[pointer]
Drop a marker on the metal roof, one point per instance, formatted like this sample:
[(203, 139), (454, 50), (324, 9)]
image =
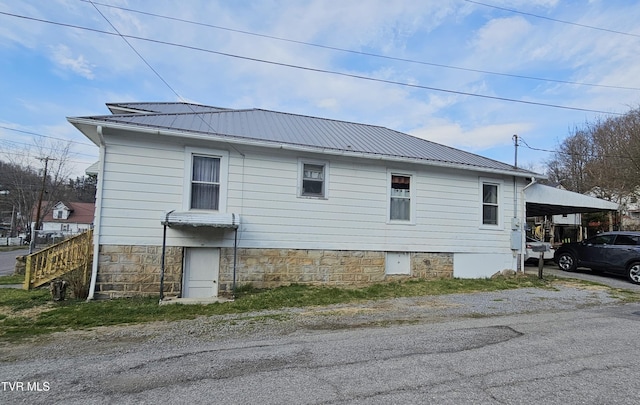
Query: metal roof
[(201, 219), (161, 107), (292, 129), (545, 200)]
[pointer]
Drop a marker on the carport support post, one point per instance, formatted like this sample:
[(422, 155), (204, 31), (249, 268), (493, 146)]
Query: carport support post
[(235, 260), (164, 249), (540, 265), (164, 253)]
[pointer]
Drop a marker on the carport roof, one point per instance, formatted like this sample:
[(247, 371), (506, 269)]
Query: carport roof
[(544, 200)]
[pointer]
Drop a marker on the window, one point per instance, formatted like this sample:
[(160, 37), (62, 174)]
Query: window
[(312, 180), (206, 177), (600, 240), (400, 198), (626, 240), (205, 183), (489, 204)]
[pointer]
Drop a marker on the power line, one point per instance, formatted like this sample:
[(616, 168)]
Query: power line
[(410, 85), (137, 53), (152, 69), (361, 52), (52, 149), (45, 136), (575, 154), (554, 19)]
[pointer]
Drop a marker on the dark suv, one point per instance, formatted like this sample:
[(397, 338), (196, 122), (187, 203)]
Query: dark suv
[(610, 252)]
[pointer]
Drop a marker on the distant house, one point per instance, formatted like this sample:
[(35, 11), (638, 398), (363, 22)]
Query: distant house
[(68, 218), (221, 196)]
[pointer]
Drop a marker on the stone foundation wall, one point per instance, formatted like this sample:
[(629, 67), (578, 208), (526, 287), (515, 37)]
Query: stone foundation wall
[(128, 271), (269, 268), (429, 266)]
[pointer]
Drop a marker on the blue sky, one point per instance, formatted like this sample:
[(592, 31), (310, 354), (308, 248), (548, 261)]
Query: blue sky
[(456, 54)]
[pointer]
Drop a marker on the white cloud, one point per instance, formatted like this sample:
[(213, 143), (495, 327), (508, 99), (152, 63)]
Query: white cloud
[(63, 58), (474, 139)]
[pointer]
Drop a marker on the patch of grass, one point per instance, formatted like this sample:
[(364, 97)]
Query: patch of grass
[(45, 316), (11, 248), (17, 300), (14, 279), (625, 295)]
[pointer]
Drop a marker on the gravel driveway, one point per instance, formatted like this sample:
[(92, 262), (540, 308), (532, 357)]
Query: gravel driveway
[(565, 295)]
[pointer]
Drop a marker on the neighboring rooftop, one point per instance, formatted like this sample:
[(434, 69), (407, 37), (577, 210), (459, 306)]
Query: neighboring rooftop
[(291, 129), (80, 212)]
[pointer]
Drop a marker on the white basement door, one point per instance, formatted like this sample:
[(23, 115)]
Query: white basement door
[(201, 268)]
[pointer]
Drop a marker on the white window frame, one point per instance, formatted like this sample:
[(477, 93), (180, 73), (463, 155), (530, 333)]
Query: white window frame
[(412, 197), (325, 185), (188, 171), (500, 204)]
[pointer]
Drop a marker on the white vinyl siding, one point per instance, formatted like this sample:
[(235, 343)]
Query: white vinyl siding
[(146, 179)]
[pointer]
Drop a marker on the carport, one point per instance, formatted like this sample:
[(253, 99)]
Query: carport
[(544, 200), (541, 201)]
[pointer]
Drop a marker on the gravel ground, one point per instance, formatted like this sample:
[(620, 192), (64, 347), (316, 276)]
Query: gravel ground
[(566, 295)]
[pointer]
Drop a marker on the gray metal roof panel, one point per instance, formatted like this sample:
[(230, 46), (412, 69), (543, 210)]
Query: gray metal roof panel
[(314, 132), (166, 107)]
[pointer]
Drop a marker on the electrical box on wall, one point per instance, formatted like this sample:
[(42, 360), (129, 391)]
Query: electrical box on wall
[(515, 224), (516, 240)]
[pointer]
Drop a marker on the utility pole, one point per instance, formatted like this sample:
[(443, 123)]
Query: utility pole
[(36, 225), (515, 142), (13, 221)]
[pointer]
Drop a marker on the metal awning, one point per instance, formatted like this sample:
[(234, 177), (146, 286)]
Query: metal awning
[(198, 219), (545, 200), (201, 219)]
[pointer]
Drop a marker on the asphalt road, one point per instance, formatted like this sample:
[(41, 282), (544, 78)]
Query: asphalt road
[(581, 355), (8, 261)]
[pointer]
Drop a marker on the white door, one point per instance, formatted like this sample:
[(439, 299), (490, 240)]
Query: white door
[(398, 263), (201, 266)]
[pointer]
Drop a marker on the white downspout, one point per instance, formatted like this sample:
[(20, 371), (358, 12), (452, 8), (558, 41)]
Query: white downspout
[(524, 222), (97, 216)]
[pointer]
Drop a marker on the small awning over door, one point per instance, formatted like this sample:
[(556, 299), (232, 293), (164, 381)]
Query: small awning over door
[(201, 219)]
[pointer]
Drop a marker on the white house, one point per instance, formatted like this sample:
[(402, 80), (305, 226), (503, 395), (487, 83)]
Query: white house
[(69, 218), (271, 198)]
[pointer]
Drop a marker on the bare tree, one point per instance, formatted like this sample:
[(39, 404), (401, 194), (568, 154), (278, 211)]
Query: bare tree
[(24, 178), (569, 165)]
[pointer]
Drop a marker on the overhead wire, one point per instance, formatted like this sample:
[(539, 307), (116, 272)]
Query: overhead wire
[(45, 136), (605, 156), (369, 54), (553, 19), (317, 70), (53, 149)]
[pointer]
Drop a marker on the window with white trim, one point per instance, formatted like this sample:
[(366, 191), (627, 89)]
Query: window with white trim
[(205, 183), (313, 179), (490, 206), (400, 198)]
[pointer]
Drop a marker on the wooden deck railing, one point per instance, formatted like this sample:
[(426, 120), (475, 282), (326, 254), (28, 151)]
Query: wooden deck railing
[(56, 260)]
